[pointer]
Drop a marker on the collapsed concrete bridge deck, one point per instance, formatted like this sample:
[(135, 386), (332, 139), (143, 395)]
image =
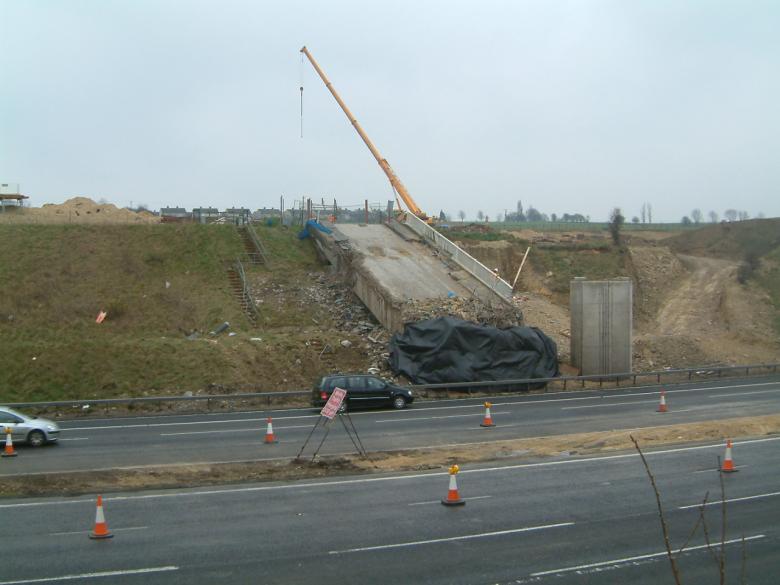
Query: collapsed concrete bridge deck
[(392, 268)]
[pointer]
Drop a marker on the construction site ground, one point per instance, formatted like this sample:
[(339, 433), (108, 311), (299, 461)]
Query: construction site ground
[(165, 288)]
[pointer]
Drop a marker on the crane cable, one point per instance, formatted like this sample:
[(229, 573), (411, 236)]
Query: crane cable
[(300, 70)]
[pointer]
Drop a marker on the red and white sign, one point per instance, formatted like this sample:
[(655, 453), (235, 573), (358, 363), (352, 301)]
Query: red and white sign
[(333, 404)]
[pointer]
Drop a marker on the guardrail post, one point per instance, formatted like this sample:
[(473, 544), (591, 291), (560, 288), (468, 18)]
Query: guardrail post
[(208, 403), (634, 380), (617, 381)]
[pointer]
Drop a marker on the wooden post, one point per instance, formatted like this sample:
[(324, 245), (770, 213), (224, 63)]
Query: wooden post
[(366, 211), (521, 267)]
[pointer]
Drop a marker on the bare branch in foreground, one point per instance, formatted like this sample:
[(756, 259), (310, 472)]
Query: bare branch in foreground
[(672, 560)]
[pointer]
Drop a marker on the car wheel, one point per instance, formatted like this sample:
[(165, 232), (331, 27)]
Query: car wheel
[(36, 438), (399, 402), (342, 408)]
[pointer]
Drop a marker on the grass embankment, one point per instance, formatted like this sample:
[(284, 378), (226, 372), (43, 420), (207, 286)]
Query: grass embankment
[(598, 261), (55, 278)]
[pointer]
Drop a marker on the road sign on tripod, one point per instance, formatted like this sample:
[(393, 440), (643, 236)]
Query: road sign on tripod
[(333, 407)]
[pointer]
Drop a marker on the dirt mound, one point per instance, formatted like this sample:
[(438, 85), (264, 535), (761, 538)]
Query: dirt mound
[(706, 317), (82, 210), (468, 309)]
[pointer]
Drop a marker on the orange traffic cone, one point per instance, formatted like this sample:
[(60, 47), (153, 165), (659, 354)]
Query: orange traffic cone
[(453, 497), (9, 444), (101, 528), (269, 432), (662, 404), (728, 462), (488, 421)]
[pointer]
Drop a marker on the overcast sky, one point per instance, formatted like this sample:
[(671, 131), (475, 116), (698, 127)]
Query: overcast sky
[(575, 106)]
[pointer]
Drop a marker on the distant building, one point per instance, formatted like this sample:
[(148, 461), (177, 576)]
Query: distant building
[(266, 212), (11, 196), (175, 215), (205, 214), (237, 215)]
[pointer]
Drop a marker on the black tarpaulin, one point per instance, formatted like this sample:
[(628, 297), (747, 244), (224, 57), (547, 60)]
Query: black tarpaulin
[(447, 349)]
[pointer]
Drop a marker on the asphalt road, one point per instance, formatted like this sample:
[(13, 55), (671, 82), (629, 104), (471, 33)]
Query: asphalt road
[(586, 520), (90, 444)]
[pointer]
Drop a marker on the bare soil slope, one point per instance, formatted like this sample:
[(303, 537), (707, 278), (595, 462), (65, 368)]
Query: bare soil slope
[(689, 310)]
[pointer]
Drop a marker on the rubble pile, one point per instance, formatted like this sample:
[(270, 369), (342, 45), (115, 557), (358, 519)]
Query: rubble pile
[(467, 309), (350, 315)]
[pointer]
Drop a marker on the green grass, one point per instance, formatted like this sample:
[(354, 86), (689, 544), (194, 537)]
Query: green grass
[(565, 263), (284, 247), (55, 278)]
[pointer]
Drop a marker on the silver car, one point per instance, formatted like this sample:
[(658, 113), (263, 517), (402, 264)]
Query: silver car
[(33, 430)]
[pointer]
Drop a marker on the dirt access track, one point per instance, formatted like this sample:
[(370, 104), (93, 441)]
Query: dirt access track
[(516, 450)]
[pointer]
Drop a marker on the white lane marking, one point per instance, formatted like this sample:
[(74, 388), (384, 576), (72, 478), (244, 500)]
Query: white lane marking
[(450, 539), (437, 474), (715, 469), (744, 393), (93, 575), (252, 430), (113, 529), (439, 501), (389, 420), (728, 501), (610, 404), (636, 558)]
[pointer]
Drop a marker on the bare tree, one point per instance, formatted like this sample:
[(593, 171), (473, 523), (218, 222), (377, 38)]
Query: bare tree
[(731, 214), (644, 213), (713, 216), (480, 215), (462, 215), (743, 215), (696, 215), (616, 221)]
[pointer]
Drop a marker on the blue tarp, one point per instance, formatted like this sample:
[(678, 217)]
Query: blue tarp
[(313, 224)]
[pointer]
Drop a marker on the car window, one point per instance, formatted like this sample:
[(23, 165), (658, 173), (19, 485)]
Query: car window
[(7, 417), (374, 384), (357, 383), (337, 383)]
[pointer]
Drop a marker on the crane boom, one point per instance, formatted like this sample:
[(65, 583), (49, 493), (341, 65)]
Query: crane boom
[(388, 170)]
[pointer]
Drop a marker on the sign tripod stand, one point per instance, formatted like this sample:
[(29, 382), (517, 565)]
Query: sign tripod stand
[(334, 407)]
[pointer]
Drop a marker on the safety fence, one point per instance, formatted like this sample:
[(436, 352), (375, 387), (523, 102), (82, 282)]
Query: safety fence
[(542, 385), (473, 266)]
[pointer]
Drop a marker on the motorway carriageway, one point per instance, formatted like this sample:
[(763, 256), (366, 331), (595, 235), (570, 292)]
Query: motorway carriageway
[(581, 520), (90, 444)]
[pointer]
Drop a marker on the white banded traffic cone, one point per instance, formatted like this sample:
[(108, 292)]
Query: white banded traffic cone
[(453, 497), (101, 528), (8, 451), (728, 462), (488, 420), (662, 404), (269, 432)]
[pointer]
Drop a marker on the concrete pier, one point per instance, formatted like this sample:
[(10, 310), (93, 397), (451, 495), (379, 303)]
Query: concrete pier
[(601, 325)]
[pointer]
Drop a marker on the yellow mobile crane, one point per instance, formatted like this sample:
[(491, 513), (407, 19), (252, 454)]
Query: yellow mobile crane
[(396, 183)]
